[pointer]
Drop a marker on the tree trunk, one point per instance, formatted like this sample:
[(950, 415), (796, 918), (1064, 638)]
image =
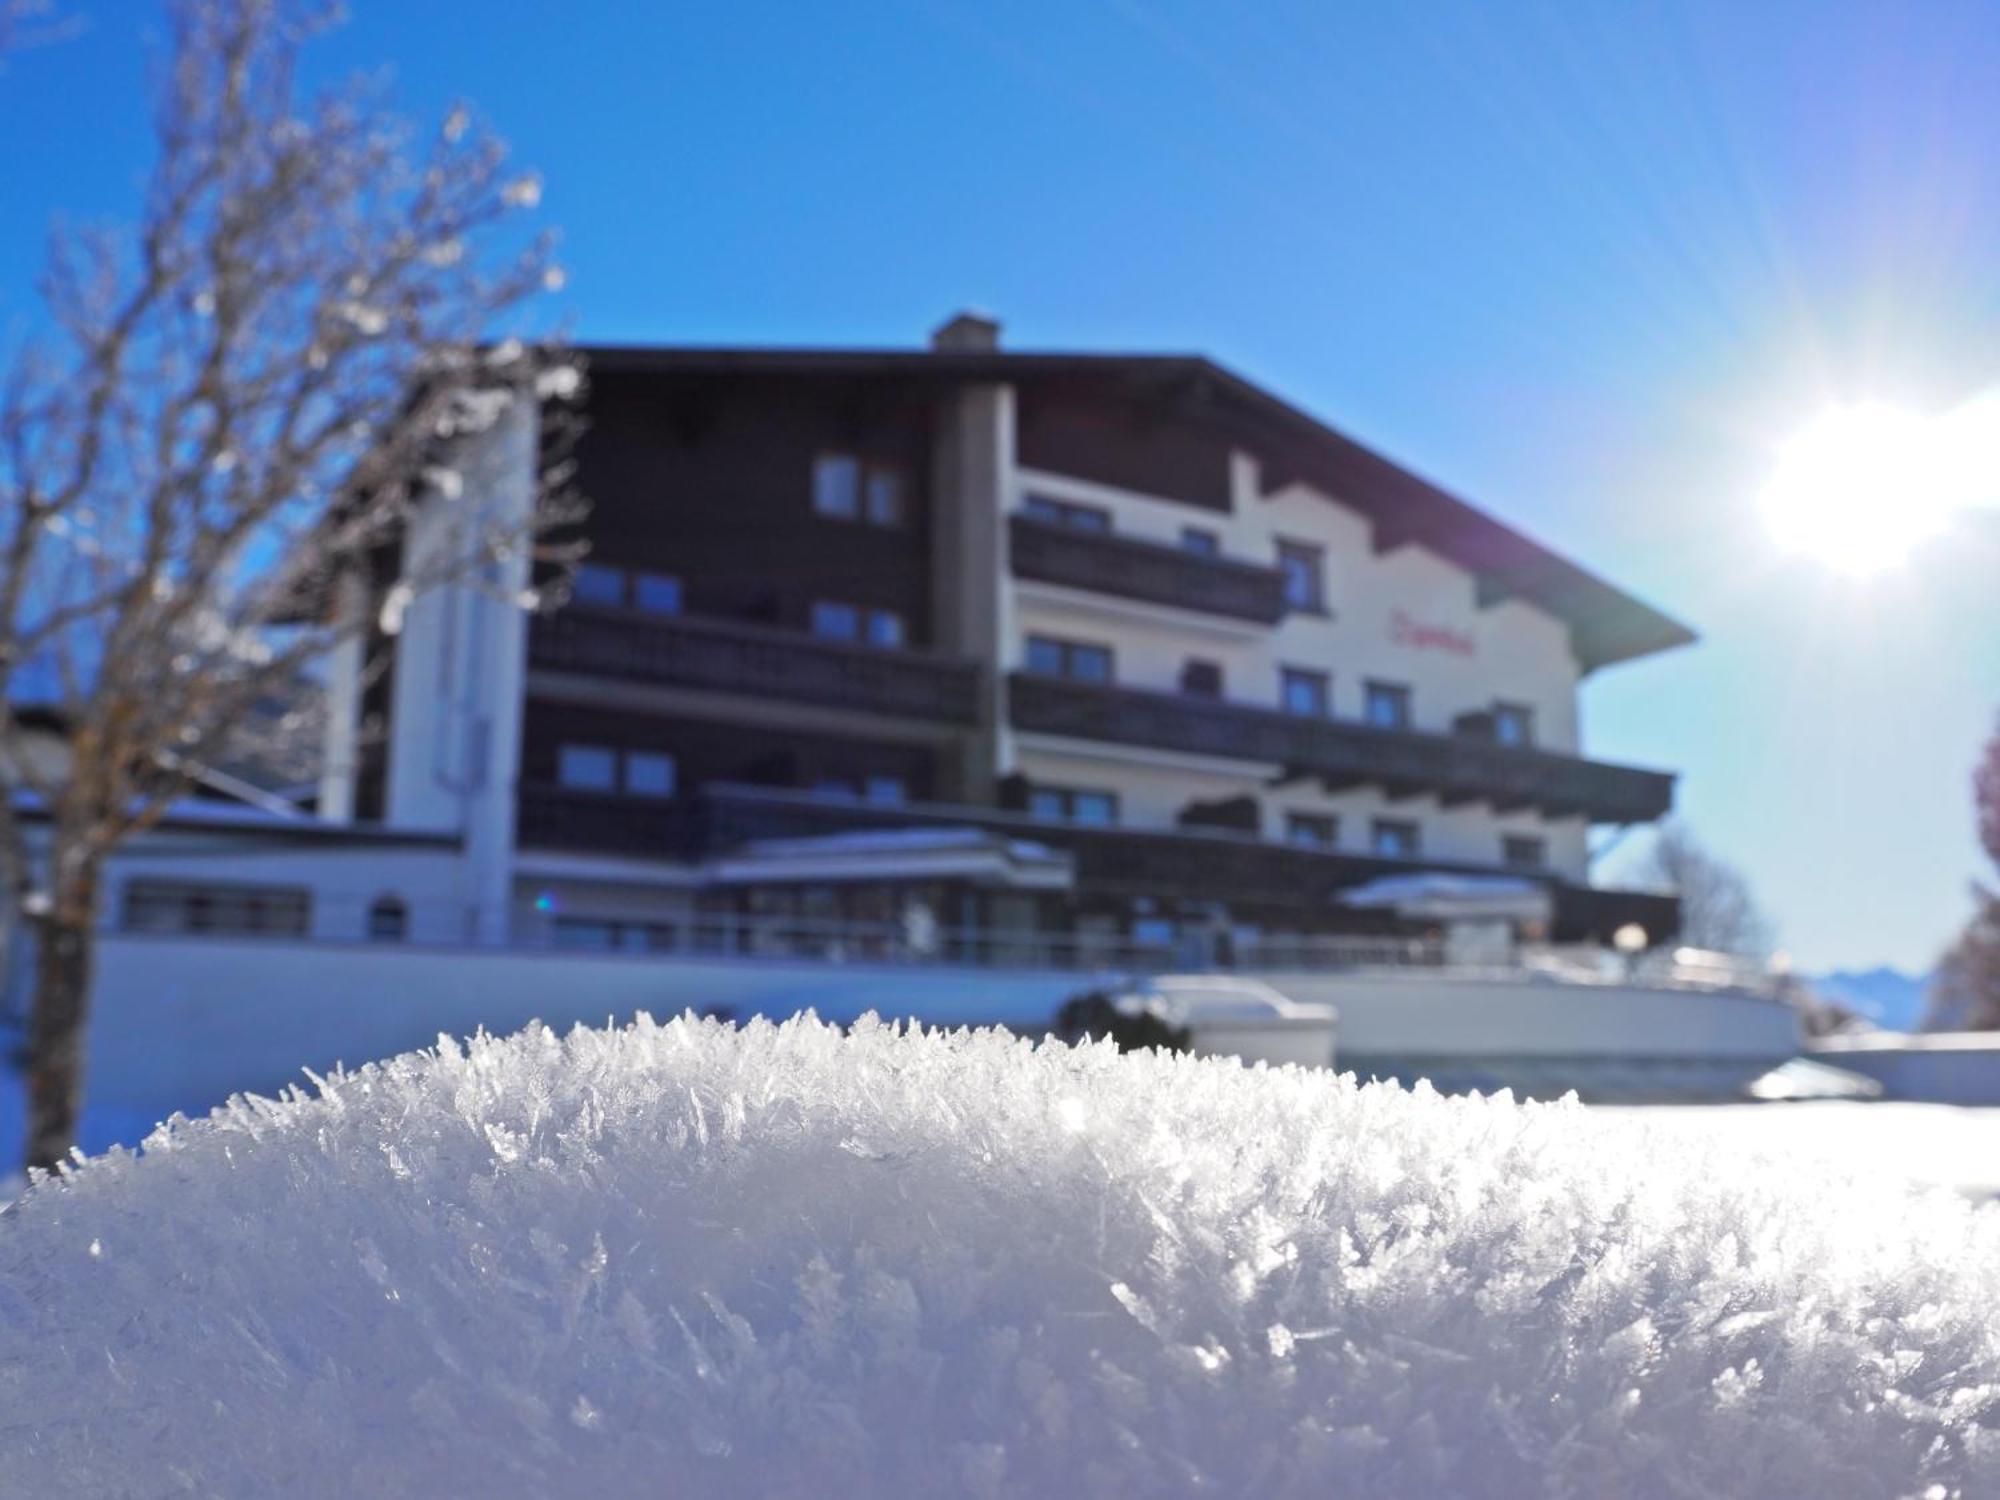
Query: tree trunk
[(64, 948)]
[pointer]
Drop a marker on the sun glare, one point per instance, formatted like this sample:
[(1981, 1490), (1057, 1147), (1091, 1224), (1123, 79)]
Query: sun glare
[(1863, 485)]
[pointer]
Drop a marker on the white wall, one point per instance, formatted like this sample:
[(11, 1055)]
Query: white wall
[(1519, 654), (181, 1023), (346, 878)]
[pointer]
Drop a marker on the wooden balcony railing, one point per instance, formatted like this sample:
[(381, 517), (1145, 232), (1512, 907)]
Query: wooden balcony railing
[(1105, 563), (756, 661), (1456, 768)]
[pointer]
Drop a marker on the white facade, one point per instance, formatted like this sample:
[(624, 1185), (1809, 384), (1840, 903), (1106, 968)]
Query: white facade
[(1404, 617)]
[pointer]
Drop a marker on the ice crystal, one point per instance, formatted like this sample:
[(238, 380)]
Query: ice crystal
[(787, 1261)]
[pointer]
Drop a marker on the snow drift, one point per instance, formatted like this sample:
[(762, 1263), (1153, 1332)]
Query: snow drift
[(694, 1260)]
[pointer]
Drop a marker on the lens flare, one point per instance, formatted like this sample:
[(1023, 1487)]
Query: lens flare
[(1861, 486)]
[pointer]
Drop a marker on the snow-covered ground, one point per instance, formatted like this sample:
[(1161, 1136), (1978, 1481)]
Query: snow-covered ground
[(693, 1260), (1931, 1145)]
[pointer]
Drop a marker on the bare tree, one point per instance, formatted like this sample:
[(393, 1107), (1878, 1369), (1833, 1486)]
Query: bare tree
[(248, 400), (1718, 908), (1965, 990)]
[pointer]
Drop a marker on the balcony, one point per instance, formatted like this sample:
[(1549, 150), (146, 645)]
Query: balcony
[(1151, 572), (1403, 762), (1176, 865), (756, 661)]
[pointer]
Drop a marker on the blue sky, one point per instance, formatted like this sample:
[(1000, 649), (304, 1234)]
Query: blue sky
[(1584, 263)]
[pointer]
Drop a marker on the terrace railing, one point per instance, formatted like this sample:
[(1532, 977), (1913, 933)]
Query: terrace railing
[(755, 660)]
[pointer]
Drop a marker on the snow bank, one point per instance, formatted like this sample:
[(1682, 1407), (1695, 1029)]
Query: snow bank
[(693, 1260)]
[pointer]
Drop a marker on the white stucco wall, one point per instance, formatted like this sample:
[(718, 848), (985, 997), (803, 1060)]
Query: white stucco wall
[(1517, 654), (345, 878)]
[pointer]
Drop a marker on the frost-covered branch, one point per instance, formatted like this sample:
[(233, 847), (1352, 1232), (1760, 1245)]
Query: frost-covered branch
[(245, 398)]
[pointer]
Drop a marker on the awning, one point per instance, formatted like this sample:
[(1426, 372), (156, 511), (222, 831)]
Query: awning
[(1454, 898), (970, 854)]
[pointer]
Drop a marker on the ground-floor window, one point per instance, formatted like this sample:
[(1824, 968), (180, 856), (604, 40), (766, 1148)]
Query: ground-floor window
[(388, 919), (187, 906), (595, 935)]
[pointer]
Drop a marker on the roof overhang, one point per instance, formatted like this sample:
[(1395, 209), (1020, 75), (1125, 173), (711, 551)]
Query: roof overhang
[(1606, 624)]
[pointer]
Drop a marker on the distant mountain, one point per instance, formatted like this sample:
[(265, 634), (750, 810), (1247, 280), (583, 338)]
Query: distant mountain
[(1888, 997)]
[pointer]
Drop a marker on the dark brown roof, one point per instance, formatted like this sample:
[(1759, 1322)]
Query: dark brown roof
[(1606, 624)]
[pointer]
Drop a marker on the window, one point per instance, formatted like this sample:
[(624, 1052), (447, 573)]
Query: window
[(1304, 692), (256, 910), (885, 628), (657, 593), (1395, 839), (1312, 830), (596, 584), (1304, 568), (593, 935), (1100, 808), (885, 496), (587, 768), (388, 919), (837, 486), (1201, 679), (887, 790), (1066, 805), (845, 488), (835, 622), (583, 933), (649, 773), (1067, 513), (1524, 853), (1513, 724), (1200, 541), (1388, 705), (1079, 661)]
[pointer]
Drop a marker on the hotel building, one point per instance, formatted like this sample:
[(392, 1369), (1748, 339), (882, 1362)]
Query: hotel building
[(971, 645)]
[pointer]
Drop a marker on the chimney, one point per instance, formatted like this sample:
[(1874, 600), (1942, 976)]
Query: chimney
[(967, 333)]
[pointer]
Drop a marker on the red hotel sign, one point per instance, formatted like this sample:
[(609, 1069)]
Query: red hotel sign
[(1405, 631)]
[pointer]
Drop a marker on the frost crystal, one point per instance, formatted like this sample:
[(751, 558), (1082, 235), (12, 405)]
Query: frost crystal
[(788, 1261)]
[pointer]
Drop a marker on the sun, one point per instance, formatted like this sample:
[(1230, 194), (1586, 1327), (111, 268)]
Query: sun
[(1860, 487)]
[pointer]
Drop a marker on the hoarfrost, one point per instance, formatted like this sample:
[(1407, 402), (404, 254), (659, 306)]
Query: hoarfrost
[(650, 1260)]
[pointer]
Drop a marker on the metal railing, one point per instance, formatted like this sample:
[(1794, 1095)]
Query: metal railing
[(918, 941)]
